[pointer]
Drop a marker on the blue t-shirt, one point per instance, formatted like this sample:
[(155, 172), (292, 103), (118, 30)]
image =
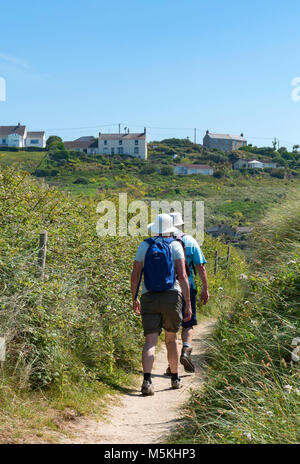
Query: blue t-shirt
[(194, 255)]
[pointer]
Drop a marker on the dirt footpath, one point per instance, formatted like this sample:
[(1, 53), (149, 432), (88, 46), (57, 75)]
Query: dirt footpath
[(136, 419)]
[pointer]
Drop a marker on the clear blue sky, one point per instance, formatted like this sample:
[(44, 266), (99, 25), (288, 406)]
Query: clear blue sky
[(227, 66)]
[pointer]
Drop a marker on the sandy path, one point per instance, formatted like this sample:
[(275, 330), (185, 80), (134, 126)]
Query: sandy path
[(136, 419)]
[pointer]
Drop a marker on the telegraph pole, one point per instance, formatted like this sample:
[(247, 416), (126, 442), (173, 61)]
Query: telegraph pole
[(195, 135), (119, 128)]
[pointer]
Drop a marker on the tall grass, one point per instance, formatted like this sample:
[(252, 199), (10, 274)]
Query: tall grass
[(253, 393), (73, 336)]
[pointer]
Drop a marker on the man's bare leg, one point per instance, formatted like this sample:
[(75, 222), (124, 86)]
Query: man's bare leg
[(149, 352), (173, 351), (148, 359), (185, 358), (173, 358)]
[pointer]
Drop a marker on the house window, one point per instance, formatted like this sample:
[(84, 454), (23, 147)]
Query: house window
[(3, 140), (112, 151), (120, 150), (136, 142), (105, 142), (136, 150), (120, 142), (34, 142), (105, 150)]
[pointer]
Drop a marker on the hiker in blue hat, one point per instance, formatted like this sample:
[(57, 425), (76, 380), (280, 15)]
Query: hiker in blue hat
[(165, 287)]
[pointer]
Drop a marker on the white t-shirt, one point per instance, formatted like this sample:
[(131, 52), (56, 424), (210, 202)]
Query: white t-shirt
[(177, 253)]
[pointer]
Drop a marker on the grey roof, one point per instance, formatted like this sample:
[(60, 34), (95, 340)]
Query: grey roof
[(227, 136), (87, 138), (36, 134), (122, 136), (5, 131), (83, 144)]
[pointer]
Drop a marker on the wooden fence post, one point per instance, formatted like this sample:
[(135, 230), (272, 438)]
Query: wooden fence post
[(2, 352), (216, 262), (228, 257), (42, 252)]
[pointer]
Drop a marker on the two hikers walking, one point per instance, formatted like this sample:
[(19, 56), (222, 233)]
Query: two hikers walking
[(168, 300)]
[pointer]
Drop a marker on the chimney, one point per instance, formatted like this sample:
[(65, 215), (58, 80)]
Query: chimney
[(144, 130), (127, 130), (242, 135), (19, 123), (207, 131)]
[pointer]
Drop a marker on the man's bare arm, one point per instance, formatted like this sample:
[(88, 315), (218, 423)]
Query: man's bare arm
[(135, 277), (184, 285), (203, 276)]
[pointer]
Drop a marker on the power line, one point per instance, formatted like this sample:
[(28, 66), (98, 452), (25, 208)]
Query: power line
[(154, 128)]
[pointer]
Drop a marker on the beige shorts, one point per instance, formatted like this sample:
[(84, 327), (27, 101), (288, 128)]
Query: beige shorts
[(161, 310)]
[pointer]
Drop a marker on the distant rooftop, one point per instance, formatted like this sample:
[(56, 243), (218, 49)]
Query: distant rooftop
[(87, 138), (81, 144), (36, 134), (239, 138), (125, 136), (5, 131)]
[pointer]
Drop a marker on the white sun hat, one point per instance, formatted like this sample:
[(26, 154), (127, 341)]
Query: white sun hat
[(163, 225), (177, 219)]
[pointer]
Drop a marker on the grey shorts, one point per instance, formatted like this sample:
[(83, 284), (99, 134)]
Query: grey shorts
[(161, 310)]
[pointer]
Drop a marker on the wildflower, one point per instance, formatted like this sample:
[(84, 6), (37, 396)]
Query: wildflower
[(288, 388), (248, 435), (254, 322), (296, 354), (296, 341), (246, 302), (221, 288), (269, 413), (243, 277), (292, 262)]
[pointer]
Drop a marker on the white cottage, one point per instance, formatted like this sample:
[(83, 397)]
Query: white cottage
[(188, 169), (18, 136), (123, 144)]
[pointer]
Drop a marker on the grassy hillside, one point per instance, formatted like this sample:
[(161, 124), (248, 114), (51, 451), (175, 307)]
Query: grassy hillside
[(253, 393), (236, 198), (72, 337)]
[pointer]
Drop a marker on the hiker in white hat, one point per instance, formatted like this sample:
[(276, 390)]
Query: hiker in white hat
[(161, 260), (196, 263)]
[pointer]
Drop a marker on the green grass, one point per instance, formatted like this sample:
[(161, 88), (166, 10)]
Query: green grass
[(72, 337), (253, 394)]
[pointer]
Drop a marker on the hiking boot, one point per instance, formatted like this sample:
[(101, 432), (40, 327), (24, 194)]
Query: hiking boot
[(176, 384), (168, 371), (147, 388), (186, 361)]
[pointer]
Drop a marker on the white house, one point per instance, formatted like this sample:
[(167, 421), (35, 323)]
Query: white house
[(253, 164), (36, 139), (123, 144), (188, 169), (17, 136)]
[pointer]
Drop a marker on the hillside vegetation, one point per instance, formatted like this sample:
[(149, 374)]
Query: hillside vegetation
[(253, 393), (73, 336), (235, 198)]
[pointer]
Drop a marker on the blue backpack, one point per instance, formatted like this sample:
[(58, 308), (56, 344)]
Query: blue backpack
[(159, 272)]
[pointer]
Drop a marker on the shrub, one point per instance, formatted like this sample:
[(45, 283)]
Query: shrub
[(81, 180), (167, 171), (278, 173)]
